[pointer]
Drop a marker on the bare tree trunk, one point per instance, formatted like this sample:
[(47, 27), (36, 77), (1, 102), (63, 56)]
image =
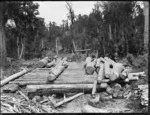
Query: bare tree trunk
[(146, 32), (2, 36), (103, 45), (18, 47), (42, 44), (56, 46), (110, 33), (22, 49)]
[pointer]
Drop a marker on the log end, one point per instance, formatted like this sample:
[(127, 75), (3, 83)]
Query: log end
[(51, 78), (113, 77)]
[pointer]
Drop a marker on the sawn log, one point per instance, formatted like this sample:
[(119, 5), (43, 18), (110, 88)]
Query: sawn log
[(62, 88), (12, 77), (55, 72)]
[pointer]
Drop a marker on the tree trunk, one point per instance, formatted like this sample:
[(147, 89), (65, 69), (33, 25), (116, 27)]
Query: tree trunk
[(103, 46), (22, 48), (127, 49), (18, 47), (110, 33), (62, 88), (3, 82), (2, 36), (146, 26)]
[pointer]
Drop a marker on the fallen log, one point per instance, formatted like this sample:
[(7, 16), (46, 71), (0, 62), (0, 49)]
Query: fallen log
[(36, 82), (42, 69), (107, 69), (62, 88), (136, 74), (101, 72), (117, 70), (42, 63), (68, 99), (52, 63), (110, 61), (102, 60), (10, 88), (59, 79), (56, 71), (12, 77), (90, 109)]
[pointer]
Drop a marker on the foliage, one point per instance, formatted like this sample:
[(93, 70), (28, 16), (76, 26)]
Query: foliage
[(109, 26)]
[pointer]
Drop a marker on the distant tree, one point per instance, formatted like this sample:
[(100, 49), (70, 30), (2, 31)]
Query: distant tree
[(146, 32), (2, 34)]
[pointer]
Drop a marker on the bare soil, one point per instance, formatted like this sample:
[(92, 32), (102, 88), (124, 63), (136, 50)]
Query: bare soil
[(75, 106)]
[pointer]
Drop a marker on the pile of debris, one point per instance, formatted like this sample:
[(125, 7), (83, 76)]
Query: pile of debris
[(115, 75), (143, 94), (21, 104), (118, 78)]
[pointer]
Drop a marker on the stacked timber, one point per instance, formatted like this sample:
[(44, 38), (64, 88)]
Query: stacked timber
[(117, 71), (117, 78)]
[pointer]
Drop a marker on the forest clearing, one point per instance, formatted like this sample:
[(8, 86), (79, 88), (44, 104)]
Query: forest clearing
[(96, 63)]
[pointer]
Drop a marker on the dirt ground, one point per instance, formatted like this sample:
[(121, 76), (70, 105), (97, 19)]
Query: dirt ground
[(75, 106)]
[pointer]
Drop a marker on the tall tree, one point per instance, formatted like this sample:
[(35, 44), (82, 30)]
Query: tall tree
[(146, 27), (2, 34)]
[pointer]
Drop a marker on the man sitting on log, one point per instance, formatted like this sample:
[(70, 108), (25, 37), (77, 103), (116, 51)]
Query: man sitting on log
[(90, 64)]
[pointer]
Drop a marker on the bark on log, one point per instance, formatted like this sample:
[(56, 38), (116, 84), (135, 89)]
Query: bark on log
[(101, 72), (59, 79), (107, 69), (68, 99), (117, 69), (10, 88), (90, 109), (12, 77), (109, 60), (61, 88), (137, 74), (49, 65), (94, 88), (56, 71), (33, 82), (42, 63)]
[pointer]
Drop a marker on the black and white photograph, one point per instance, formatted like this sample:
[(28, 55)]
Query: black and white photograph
[(74, 56)]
